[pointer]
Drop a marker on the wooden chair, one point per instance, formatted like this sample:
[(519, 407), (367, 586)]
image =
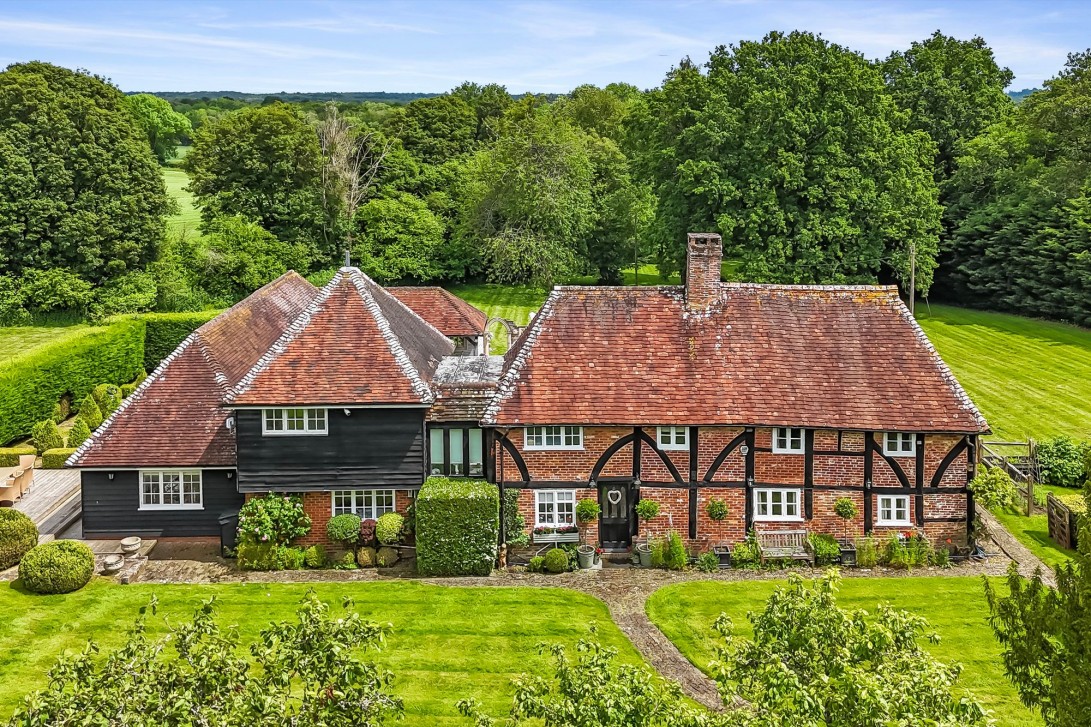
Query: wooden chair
[(785, 545)]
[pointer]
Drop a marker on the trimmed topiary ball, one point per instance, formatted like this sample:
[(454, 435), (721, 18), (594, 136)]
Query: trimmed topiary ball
[(366, 557), (18, 534), (386, 557), (367, 532), (388, 528), (344, 528), (556, 561), (315, 556), (61, 566)]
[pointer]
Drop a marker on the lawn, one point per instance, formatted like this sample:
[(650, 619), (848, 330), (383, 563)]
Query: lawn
[(955, 608), (447, 642), (19, 340), (1033, 531), (188, 216)]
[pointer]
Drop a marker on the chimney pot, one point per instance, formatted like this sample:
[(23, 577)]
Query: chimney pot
[(704, 253)]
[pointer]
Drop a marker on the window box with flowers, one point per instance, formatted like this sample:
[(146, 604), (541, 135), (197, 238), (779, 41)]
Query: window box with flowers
[(561, 534), (555, 517)]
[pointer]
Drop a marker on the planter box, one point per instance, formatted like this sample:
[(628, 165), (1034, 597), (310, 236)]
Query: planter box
[(848, 554), (723, 552), (556, 538)]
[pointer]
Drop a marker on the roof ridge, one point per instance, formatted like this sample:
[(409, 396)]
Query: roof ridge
[(395, 299), (248, 302), (506, 386), (130, 400), (213, 363)]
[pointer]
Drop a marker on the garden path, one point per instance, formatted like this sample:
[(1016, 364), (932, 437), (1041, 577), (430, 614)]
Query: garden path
[(1028, 562)]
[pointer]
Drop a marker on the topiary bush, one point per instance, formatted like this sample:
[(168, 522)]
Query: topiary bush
[(556, 561), (716, 509), (9, 456), (61, 566), (367, 532), (62, 409), (458, 527), (315, 556), (647, 509), (127, 390), (46, 435), (386, 556), (388, 528), (79, 433), (90, 412), (18, 534), (277, 519), (108, 398), (344, 529), (54, 459), (366, 557)]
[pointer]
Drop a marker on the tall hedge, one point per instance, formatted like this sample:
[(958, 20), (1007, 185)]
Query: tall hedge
[(164, 331), (31, 384), (458, 527)]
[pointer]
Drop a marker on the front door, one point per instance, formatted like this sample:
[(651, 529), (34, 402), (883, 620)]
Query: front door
[(615, 524)]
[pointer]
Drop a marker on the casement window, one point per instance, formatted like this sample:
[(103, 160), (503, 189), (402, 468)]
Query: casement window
[(777, 504), (291, 422), (893, 510), (553, 438), (673, 437), (456, 452), (170, 490), (554, 508), (899, 444), (368, 504), (787, 440)]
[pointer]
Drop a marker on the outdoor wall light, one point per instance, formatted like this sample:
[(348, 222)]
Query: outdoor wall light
[(348, 413), (110, 475), (744, 450)]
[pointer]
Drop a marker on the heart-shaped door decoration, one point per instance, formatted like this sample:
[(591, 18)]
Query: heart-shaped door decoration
[(614, 496)]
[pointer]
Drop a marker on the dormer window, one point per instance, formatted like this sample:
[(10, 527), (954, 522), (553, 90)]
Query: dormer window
[(899, 444), (293, 422), (788, 440)]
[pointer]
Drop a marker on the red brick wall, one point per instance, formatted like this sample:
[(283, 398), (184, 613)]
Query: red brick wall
[(319, 505), (589, 531)]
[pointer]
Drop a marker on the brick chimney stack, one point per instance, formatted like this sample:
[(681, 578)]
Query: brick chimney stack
[(704, 252)]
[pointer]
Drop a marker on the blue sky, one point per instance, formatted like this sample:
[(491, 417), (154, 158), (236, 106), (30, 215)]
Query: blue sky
[(242, 45)]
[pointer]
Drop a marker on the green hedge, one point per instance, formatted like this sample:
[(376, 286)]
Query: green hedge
[(9, 456), (458, 527), (164, 331), (31, 384), (54, 459), (61, 566)]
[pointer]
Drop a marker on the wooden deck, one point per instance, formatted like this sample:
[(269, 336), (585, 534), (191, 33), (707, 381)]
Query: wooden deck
[(53, 501)]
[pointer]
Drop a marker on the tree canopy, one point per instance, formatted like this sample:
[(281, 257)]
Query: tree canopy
[(164, 127)]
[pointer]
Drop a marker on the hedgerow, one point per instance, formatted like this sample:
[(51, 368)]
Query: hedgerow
[(458, 527), (31, 384), (9, 456), (164, 331), (54, 459)]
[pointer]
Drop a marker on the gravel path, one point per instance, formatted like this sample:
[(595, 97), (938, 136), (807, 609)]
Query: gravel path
[(1029, 563)]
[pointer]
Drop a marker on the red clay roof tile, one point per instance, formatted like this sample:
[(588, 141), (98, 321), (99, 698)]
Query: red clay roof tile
[(445, 311)]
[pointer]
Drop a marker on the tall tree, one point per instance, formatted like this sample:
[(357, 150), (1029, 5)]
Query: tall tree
[(489, 102), (436, 129), (164, 127), (79, 187), (263, 163), (792, 149)]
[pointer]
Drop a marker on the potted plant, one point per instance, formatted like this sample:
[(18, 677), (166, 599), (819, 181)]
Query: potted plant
[(646, 510), (587, 511), (845, 509)]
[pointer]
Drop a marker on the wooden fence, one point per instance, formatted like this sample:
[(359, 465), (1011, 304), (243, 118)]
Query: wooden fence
[(1062, 523), (1020, 461)]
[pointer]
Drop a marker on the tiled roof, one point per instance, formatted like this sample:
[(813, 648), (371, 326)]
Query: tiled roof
[(174, 418), (444, 310), (355, 344), (464, 386), (845, 357)]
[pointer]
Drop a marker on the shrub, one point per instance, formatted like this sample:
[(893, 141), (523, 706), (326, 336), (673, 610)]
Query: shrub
[(825, 547), (276, 519), (1077, 504), (895, 554), (647, 509), (79, 433), (55, 289), (708, 562), (409, 527), (54, 459), (458, 527), (386, 557), (941, 558), (348, 561), (46, 435), (164, 331), (515, 525), (367, 557), (108, 398), (344, 529), (18, 534), (293, 558), (994, 489), (9, 456), (388, 528), (745, 554), (269, 557), (919, 551), (62, 409), (31, 384), (536, 564), (587, 511), (61, 566), (556, 561), (127, 390), (315, 556), (716, 509), (367, 532), (675, 556), (867, 552), (1061, 461), (90, 412)]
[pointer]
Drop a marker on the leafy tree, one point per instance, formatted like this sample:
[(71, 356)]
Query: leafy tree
[(81, 190), (399, 239), (792, 149), (591, 108), (263, 164), (236, 257), (994, 489), (164, 127), (306, 673), (810, 664), (622, 210), (436, 129), (55, 289), (489, 103)]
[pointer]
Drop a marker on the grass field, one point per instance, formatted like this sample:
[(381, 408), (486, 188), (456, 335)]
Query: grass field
[(20, 339), (447, 642), (188, 217), (955, 608), (1033, 531)]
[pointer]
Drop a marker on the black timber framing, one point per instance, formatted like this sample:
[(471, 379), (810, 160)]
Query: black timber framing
[(918, 476), (751, 435), (694, 452), (808, 474), (868, 468)]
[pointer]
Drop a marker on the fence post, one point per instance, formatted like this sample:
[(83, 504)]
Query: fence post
[(1032, 475)]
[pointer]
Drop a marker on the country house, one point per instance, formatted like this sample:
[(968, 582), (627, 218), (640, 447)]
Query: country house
[(774, 400)]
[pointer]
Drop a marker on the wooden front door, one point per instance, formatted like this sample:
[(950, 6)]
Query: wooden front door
[(616, 522)]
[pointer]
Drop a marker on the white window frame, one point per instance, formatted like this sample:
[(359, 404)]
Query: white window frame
[(672, 433), (894, 444), (788, 436), (783, 492), (892, 504), (159, 476), (282, 417), (568, 437), (569, 501), (363, 503)]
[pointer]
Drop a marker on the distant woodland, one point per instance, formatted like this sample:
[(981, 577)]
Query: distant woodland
[(816, 164)]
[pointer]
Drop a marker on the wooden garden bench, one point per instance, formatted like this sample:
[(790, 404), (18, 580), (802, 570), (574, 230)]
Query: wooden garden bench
[(785, 545)]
